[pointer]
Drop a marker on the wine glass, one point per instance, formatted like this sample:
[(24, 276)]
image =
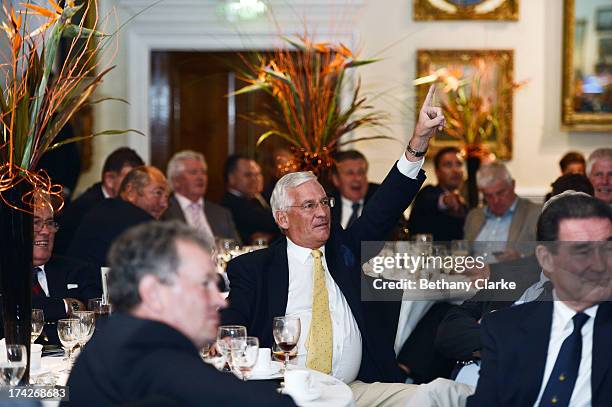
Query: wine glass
[(68, 333), (13, 365), (38, 323), (244, 355), (87, 326), (286, 331), (100, 309), (224, 336)]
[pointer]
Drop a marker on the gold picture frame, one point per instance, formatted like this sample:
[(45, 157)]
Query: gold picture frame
[(497, 89), (502, 10), (587, 95)]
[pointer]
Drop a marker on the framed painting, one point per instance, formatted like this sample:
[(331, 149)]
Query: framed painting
[(475, 89), (507, 10), (587, 67)]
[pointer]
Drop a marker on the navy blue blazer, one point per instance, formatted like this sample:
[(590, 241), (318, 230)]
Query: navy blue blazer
[(515, 344), (259, 281)]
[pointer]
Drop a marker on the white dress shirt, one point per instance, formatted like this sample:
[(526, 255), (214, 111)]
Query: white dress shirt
[(562, 327), (185, 204), (346, 336), (42, 279), (347, 210)]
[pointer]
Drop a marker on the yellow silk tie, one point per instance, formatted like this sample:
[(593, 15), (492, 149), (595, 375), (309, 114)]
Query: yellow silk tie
[(320, 338)]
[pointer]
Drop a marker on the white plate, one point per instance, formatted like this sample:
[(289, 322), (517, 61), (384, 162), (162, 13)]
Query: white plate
[(272, 373), (312, 394), (40, 371)]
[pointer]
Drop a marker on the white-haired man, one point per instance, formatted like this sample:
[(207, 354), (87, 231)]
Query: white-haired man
[(314, 273), (599, 171), (188, 177), (506, 218)]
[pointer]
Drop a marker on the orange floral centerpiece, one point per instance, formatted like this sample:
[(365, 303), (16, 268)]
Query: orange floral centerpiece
[(34, 106), (308, 111)]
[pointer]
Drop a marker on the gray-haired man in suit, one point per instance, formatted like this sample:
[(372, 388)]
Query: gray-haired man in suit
[(188, 177)]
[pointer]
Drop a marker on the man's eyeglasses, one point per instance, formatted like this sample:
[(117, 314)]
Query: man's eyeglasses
[(310, 206), (51, 225)]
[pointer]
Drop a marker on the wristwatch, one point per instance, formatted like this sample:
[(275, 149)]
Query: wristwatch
[(414, 152)]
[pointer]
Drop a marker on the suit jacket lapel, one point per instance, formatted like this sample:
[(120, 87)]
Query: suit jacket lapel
[(517, 221), (278, 278), (479, 220), (601, 357), (533, 348), (174, 209), (56, 280)]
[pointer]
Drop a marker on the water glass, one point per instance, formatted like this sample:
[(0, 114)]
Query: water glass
[(244, 355), (68, 331), (87, 326), (13, 365), (225, 334), (38, 323)]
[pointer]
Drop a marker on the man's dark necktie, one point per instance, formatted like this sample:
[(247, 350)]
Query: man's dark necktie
[(560, 386), (36, 287), (354, 215)]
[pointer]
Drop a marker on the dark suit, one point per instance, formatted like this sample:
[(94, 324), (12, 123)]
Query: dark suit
[(426, 217), (61, 272), (250, 216), (134, 359), (71, 216), (101, 226), (336, 211), (259, 281), (515, 345), (458, 335), (219, 218)]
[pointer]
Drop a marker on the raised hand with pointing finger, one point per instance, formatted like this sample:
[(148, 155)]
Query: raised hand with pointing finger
[(430, 119)]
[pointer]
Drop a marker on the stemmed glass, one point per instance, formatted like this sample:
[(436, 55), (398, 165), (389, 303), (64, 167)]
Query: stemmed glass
[(38, 323), (100, 309), (286, 331), (244, 355), (225, 334), (87, 326), (68, 333), (13, 365)]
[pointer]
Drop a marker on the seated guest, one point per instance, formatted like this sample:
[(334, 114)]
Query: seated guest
[(279, 165), (575, 182), (251, 213), (572, 163), (143, 196), (556, 353), (116, 166), (599, 171), (60, 285), (188, 178), (506, 218), (441, 210), (314, 272), (165, 309)]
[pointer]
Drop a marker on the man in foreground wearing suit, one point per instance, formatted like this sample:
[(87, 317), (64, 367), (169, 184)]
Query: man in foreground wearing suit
[(143, 196), (165, 300), (116, 166), (557, 353), (506, 219), (188, 177), (440, 210), (60, 284), (315, 273)]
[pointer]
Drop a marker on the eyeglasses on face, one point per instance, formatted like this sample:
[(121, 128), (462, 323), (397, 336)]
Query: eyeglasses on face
[(310, 206), (51, 225)]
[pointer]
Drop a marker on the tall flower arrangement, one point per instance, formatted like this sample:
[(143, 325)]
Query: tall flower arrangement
[(34, 106), (305, 81)]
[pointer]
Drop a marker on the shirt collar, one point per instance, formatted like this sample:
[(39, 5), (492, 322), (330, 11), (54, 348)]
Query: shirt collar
[(302, 254), (347, 203), (235, 192), (510, 210), (565, 314), (185, 202), (104, 193)]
